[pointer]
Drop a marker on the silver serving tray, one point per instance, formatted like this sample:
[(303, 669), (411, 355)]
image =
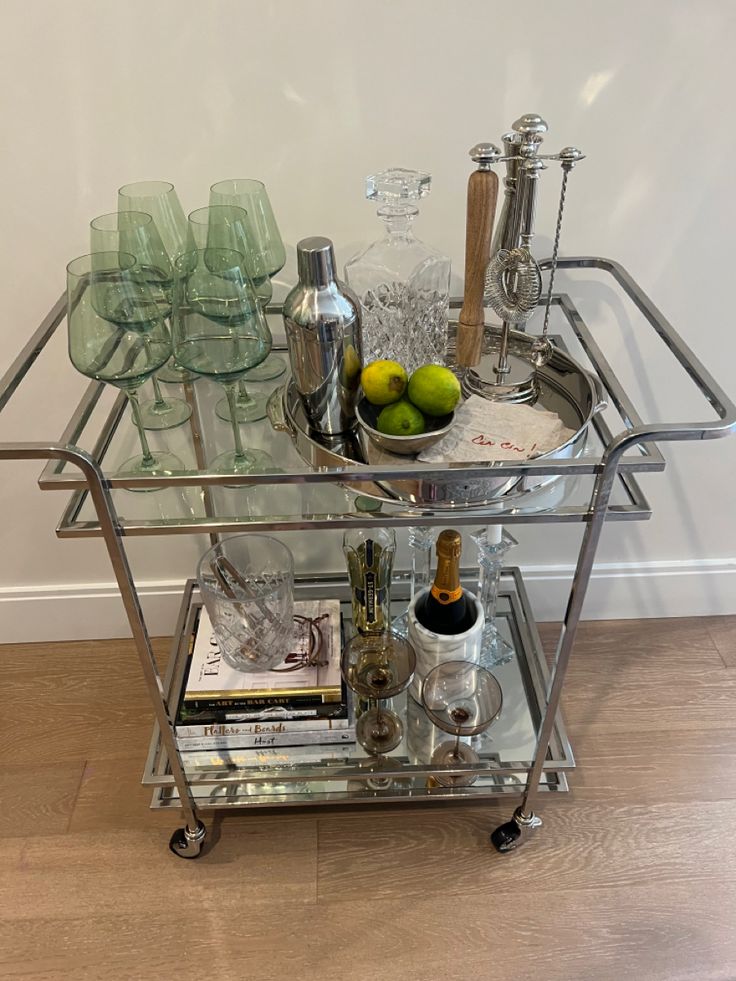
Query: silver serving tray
[(565, 388)]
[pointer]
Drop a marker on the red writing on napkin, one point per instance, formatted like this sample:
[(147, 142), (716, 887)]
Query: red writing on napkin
[(505, 444)]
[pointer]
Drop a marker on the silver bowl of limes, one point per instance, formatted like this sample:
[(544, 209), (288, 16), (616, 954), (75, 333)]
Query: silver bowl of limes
[(400, 414)]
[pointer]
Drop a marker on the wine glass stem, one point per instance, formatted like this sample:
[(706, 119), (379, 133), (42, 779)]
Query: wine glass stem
[(379, 719), (456, 751), (136, 410), (232, 398), (158, 395), (243, 396)]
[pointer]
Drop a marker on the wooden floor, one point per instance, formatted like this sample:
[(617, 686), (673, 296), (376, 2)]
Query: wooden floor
[(632, 876)]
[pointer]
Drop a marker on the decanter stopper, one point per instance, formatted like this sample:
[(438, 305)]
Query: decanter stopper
[(396, 185)]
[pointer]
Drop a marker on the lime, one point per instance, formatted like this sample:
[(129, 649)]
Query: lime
[(400, 419), (434, 389), (383, 382)]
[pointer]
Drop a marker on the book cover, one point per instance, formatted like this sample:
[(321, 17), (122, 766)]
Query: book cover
[(259, 727), (266, 740), (281, 759), (212, 682)]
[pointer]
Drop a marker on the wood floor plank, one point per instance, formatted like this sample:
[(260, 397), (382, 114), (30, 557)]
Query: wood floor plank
[(38, 800), (671, 640), (449, 855), (88, 699), (722, 631), (634, 873), (654, 766), (685, 934), (93, 874)]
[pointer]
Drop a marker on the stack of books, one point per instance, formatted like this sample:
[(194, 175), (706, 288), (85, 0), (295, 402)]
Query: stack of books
[(303, 702)]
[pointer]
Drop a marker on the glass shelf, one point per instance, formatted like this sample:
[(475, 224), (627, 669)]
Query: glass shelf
[(293, 500), (315, 774)]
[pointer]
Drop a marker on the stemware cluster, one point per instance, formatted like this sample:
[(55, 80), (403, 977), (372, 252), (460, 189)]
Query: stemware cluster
[(378, 663), (174, 298)]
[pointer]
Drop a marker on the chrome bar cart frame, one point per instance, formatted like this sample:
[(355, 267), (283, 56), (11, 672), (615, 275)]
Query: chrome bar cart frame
[(165, 769)]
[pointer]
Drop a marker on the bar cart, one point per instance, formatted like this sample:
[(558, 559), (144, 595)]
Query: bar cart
[(530, 753)]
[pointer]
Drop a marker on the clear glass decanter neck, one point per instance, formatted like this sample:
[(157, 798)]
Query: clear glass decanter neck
[(398, 219)]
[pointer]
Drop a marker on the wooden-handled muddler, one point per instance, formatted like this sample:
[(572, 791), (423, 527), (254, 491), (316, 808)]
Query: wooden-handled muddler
[(482, 195)]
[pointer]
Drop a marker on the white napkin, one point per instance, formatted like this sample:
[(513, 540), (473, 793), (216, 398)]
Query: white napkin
[(485, 430)]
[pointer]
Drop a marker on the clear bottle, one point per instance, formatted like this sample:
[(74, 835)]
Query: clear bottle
[(403, 285)]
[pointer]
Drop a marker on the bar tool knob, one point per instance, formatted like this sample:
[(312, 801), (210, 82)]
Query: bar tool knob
[(485, 155), (530, 124), (569, 156)]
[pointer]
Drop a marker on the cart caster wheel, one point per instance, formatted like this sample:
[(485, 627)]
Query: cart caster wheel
[(186, 843), (515, 832), (506, 837)]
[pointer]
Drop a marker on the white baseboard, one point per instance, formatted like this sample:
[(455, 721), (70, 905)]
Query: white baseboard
[(83, 611)]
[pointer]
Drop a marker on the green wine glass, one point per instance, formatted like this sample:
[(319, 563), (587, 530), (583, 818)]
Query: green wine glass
[(219, 332), (134, 232), (253, 197), (225, 226), (117, 335), (160, 200)]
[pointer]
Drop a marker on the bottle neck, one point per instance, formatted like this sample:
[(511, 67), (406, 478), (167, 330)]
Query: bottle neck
[(446, 587), (398, 219)]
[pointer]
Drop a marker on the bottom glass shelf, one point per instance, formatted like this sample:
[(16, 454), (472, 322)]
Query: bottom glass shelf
[(343, 772)]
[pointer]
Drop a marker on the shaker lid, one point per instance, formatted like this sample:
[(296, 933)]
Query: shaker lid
[(315, 261)]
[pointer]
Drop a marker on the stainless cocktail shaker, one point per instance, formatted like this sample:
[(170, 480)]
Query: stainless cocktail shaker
[(322, 320)]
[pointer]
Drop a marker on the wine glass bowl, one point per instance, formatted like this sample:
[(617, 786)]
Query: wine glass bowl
[(463, 699), (135, 232), (117, 335), (219, 331), (269, 253), (226, 226), (377, 667), (160, 200)]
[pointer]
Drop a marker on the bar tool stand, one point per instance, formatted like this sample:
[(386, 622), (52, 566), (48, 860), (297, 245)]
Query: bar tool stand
[(513, 280)]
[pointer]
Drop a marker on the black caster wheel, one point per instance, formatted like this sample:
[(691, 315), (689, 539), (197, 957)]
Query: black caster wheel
[(188, 844), (506, 837)]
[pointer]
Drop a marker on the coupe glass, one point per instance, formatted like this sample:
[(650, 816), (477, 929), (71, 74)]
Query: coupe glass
[(247, 584), (219, 332), (253, 197), (159, 200), (225, 226), (135, 232), (378, 666), (464, 699), (117, 335)]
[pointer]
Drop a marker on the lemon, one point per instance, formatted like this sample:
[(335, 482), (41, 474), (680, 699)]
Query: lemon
[(434, 389), (400, 419), (383, 382)]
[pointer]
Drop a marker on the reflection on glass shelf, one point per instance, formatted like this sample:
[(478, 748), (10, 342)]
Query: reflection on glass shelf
[(287, 774)]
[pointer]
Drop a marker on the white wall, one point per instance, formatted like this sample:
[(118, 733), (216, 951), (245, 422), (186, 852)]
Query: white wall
[(310, 97)]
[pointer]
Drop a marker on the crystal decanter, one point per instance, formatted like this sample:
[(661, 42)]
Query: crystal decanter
[(403, 284)]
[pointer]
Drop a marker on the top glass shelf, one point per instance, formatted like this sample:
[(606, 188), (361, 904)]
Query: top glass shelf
[(299, 495)]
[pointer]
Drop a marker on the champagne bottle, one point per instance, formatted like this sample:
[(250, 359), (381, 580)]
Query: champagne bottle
[(446, 608)]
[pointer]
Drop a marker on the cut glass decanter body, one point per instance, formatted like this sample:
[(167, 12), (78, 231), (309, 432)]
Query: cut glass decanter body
[(403, 284)]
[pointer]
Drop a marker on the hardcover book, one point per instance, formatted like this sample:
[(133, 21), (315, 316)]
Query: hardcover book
[(213, 683)]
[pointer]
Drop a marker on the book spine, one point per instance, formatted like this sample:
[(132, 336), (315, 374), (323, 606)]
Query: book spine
[(199, 730), (267, 740), (254, 703), (258, 757)]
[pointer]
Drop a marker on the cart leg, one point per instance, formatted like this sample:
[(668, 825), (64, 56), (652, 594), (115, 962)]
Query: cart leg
[(515, 832), (187, 843)]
